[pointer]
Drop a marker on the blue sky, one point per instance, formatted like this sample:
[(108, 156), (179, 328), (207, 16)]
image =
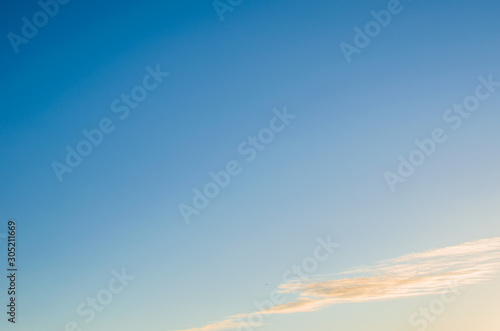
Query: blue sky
[(323, 175)]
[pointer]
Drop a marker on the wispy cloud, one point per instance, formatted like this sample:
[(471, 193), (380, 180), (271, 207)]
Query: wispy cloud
[(433, 272)]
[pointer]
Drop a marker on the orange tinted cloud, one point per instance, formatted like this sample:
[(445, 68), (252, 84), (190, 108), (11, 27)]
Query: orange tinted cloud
[(433, 272)]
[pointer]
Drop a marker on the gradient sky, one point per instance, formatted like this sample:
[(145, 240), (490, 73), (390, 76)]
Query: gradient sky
[(321, 176)]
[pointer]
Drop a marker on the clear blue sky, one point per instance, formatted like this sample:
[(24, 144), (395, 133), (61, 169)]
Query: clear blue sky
[(322, 175)]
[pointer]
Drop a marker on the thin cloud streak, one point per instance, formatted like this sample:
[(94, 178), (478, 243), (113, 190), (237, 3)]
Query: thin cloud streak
[(433, 272)]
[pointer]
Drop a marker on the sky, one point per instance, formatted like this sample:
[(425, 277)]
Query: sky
[(170, 165)]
